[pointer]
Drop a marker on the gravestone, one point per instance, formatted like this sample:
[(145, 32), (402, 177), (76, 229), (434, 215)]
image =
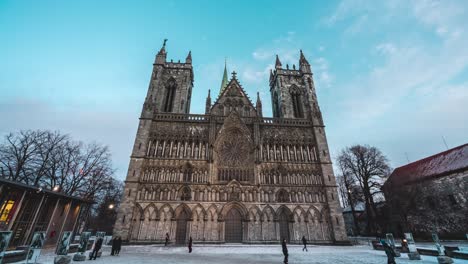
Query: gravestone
[(37, 243), (391, 243), (442, 259), (413, 252), (5, 237), (84, 240)]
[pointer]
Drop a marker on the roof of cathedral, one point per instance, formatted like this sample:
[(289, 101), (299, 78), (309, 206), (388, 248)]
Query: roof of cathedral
[(233, 80), (450, 161), (224, 82)]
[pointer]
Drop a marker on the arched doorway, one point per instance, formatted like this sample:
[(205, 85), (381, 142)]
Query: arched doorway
[(283, 220), (233, 226), (181, 231)]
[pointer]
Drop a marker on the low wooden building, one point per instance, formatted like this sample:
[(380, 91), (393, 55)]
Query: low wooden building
[(26, 209)]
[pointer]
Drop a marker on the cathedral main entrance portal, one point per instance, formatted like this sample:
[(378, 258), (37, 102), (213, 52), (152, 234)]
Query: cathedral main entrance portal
[(233, 226), (284, 226), (181, 231)]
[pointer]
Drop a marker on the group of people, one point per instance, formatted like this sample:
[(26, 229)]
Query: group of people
[(115, 251), (116, 246)]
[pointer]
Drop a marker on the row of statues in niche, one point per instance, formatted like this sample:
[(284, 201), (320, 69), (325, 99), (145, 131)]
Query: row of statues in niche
[(177, 149), (175, 175), (215, 195), (292, 178), (295, 153)]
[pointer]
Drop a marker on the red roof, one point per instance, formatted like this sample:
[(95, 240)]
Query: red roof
[(440, 164)]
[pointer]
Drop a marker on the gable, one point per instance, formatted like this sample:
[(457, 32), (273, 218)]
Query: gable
[(233, 98)]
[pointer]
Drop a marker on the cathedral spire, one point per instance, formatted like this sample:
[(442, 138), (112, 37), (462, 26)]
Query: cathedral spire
[(302, 59), (304, 65), (277, 63), (208, 103), (189, 57), (161, 57), (224, 82), (258, 105), (163, 48)]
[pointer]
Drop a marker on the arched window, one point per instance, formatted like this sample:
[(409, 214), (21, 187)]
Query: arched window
[(186, 194), (169, 95), (283, 196), (296, 102)]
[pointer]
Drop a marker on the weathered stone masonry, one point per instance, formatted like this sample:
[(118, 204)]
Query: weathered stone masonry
[(230, 175)]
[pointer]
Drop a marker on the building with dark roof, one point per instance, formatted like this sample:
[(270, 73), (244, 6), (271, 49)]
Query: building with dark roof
[(430, 195)]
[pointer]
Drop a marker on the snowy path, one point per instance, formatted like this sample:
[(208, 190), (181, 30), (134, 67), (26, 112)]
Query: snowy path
[(244, 254)]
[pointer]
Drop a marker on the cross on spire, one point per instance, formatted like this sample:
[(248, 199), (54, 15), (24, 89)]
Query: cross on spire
[(234, 73)]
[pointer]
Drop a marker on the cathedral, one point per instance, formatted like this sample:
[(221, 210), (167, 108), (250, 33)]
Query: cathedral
[(230, 175)]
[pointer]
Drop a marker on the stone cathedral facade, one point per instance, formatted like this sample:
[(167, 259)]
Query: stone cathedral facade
[(230, 175)]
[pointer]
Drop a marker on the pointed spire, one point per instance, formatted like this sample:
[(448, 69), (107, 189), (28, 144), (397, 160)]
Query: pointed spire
[(258, 105), (163, 48), (277, 63), (208, 103), (161, 56), (304, 65), (189, 57), (302, 59), (224, 82)]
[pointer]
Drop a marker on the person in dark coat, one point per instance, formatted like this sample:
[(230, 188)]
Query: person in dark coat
[(190, 245), (390, 253), (118, 245), (114, 240), (96, 249), (285, 251), (167, 239), (304, 241)]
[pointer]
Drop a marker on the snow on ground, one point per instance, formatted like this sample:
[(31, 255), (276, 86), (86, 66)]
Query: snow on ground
[(246, 254)]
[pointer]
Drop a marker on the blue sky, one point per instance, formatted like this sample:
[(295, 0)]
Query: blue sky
[(392, 74)]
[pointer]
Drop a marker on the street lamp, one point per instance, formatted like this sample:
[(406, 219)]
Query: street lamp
[(111, 206), (56, 188)]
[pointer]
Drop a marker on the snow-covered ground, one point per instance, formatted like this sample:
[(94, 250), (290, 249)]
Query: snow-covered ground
[(244, 254)]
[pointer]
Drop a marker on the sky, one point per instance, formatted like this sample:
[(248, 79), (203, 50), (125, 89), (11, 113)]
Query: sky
[(391, 74)]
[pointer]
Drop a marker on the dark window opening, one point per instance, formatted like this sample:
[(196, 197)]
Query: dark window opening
[(186, 194), (283, 196), (297, 105), (169, 96)]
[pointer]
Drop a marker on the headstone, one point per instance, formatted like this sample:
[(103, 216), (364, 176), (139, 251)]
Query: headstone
[(35, 248), (79, 257), (391, 243), (84, 240), (5, 237), (413, 252), (62, 259), (63, 244), (439, 247), (442, 259)]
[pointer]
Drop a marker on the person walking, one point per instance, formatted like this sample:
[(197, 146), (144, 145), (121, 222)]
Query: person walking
[(167, 239), (118, 245), (97, 247), (389, 252), (190, 245), (285, 251), (114, 241), (304, 241)]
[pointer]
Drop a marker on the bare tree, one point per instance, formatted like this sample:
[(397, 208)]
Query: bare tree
[(49, 159), (368, 167)]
